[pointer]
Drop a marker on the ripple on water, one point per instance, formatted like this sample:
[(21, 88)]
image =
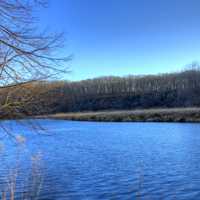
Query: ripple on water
[(83, 160)]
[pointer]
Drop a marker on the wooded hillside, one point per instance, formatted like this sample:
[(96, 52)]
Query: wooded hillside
[(106, 93)]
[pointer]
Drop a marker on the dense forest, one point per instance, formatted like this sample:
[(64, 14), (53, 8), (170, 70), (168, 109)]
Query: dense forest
[(105, 93)]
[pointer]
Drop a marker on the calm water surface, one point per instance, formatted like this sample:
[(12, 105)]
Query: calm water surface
[(89, 160)]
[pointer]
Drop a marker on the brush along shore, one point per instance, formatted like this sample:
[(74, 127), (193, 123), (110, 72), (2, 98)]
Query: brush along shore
[(143, 115)]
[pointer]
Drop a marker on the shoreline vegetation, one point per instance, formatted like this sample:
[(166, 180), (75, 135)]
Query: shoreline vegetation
[(139, 115), (172, 97)]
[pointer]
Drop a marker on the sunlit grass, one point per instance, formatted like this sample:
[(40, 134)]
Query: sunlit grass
[(143, 115)]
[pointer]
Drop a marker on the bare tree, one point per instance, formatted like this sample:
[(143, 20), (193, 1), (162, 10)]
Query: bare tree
[(26, 55)]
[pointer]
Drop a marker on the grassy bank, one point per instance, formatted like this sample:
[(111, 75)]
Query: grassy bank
[(144, 115)]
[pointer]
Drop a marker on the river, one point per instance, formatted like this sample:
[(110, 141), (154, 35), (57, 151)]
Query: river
[(91, 160)]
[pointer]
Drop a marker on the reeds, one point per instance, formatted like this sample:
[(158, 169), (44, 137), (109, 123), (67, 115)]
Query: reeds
[(31, 186)]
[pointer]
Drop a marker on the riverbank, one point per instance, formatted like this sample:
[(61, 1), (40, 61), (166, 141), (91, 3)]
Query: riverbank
[(144, 115)]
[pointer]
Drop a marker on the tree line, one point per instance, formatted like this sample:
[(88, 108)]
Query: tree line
[(105, 93)]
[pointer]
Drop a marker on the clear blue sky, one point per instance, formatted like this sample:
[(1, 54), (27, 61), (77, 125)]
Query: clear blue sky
[(120, 37)]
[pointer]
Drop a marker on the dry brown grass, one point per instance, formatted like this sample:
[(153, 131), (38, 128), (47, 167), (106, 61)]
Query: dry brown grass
[(143, 115), (33, 183)]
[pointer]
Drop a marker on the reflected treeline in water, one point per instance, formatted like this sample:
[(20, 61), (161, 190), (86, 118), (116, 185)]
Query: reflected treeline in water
[(149, 91)]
